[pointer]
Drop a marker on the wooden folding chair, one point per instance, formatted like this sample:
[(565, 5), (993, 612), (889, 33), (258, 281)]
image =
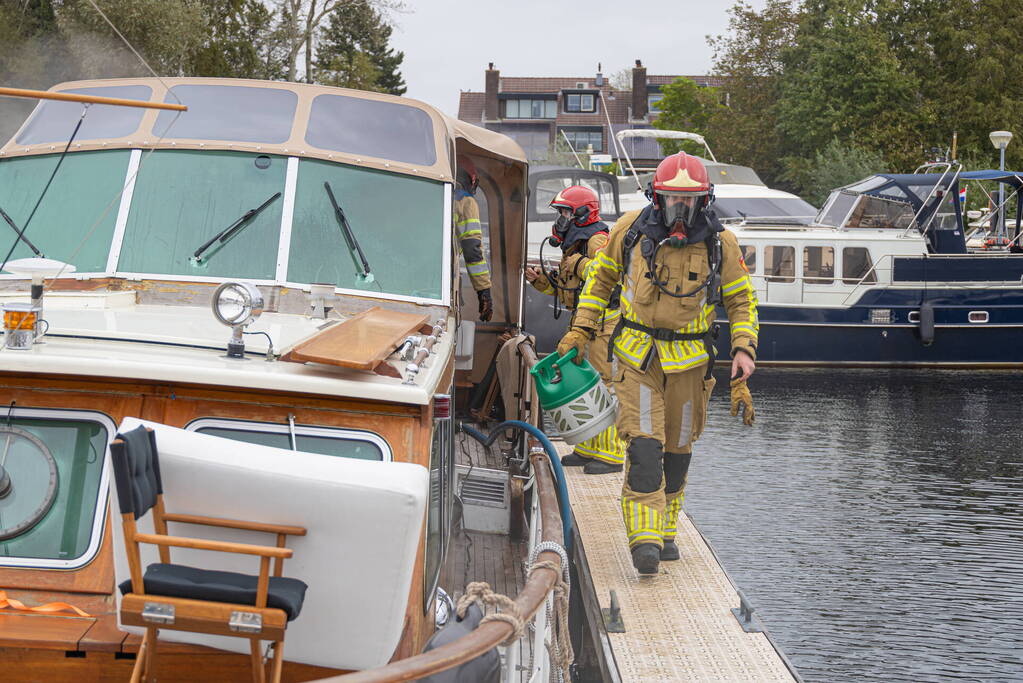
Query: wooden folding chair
[(178, 597)]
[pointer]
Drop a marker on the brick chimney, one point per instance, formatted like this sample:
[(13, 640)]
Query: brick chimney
[(639, 101), (491, 111)]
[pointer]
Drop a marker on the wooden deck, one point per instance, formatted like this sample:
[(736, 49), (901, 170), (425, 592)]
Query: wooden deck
[(678, 623)]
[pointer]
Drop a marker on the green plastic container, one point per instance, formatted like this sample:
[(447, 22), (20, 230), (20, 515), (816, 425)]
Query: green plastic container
[(577, 401)]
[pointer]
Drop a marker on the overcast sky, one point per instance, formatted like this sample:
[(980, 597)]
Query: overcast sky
[(447, 43)]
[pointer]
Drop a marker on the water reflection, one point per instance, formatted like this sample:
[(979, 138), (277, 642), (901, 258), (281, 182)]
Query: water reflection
[(874, 519)]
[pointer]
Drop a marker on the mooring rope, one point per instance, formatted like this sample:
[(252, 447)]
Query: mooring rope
[(560, 644), (505, 608)]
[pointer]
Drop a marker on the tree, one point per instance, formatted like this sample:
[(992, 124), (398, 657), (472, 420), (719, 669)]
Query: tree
[(749, 60), (354, 53), (686, 106), (241, 42), (300, 22), (835, 165)]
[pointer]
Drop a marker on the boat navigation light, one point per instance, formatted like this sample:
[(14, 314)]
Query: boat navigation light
[(237, 305)]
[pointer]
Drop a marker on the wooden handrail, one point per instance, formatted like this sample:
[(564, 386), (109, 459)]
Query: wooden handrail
[(88, 99), (220, 546), (539, 584), (235, 524)]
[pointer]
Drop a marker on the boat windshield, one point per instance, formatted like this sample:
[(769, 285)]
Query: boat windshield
[(764, 207), (182, 198), (847, 210)]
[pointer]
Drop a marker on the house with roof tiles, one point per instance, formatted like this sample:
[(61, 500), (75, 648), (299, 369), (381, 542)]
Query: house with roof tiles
[(583, 112)]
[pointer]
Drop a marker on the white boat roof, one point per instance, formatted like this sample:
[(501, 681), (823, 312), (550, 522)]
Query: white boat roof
[(106, 334), (658, 133)]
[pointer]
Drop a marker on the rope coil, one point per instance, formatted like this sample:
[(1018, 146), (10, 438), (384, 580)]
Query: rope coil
[(560, 644), (505, 608)]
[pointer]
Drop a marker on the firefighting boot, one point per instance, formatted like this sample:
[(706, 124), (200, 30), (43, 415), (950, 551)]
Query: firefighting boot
[(600, 467), (670, 552), (573, 459), (645, 558)]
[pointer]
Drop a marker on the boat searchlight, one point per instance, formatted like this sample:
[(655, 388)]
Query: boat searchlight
[(237, 305)]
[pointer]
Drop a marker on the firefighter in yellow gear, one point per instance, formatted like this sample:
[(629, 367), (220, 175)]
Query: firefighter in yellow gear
[(466, 214), (581, 234), (671, 263)]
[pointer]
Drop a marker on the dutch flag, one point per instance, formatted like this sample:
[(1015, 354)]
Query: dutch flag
[(962, 195)]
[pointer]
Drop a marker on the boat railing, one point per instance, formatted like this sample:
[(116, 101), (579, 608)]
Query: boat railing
[(531, 602)]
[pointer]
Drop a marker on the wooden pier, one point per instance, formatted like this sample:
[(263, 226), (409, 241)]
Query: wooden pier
[(678, 624)]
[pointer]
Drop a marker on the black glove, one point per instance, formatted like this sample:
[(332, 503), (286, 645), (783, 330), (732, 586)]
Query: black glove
[(486, 305)]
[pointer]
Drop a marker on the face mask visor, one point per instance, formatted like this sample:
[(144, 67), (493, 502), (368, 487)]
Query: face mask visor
[(680, 208)]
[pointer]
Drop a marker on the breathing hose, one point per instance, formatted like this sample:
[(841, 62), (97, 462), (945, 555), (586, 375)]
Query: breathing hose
[(552, 455)]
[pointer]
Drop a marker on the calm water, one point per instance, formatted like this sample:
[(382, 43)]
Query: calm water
[(875, 519)]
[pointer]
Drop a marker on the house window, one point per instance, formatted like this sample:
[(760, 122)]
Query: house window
[(653, 103), (530, 109), (580, 103), (581, 140), (856, 266), (749, 255), (818, 265), (341, 443), (779, 264)]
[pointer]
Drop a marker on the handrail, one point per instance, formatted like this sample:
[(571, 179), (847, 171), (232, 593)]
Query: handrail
[(88, 99), (538, 586)]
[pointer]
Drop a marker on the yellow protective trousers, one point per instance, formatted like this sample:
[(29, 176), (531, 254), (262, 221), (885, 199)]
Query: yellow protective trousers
[(604, 446), (659, 417)]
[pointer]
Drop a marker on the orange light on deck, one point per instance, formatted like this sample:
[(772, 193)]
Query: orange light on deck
[(19, 325)]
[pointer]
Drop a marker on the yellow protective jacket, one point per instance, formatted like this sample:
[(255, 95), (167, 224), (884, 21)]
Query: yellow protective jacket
[(642, 302), (572, 272), (466, 215)]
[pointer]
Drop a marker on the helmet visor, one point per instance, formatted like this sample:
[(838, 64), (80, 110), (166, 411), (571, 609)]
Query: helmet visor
[(564, 220), (681, 208)]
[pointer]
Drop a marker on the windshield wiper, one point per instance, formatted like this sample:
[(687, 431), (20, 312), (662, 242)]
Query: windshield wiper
[(230, 230), (18, 232), (349, 235)]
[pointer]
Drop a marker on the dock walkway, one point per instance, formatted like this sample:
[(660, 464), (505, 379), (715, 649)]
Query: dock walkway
[(678, 623)]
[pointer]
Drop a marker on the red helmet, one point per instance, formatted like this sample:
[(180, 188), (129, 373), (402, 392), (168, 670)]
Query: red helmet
[(681, 175), (466, 176), (582, 202)]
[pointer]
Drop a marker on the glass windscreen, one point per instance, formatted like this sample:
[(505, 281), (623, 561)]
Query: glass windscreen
[(836, 209), (764, 207), (183, 199), (229, 112), (878, 213), (54, 121), (337, 446), (397, 220), (53, 474), (75, 221), (605, 192), (385, 130), (546, 190)]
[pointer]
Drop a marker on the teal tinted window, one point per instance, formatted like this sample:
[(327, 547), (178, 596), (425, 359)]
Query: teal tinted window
[(54, 470), (75, 221), (184, 198), (338, 446), (398, 221)]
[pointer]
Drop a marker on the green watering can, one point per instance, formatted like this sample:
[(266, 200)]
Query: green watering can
[(577, 401)]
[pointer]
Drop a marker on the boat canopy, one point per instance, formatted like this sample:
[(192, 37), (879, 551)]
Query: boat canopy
[(1014, 178), (656, 133), (292, 119)]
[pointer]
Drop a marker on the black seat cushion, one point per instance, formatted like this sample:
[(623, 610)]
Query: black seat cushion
[(136, 471), (179, 581)]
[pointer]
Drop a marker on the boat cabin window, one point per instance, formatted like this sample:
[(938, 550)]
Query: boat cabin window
[(818, 265), (385, 130), (835, 210), (340, 443), (945, 217), (183, 198), (546, 190), (779, 264), (398, 220), (75, 222), (749, 255), (54, 121), (857, 266), (228, 112), (880, 213), (605, 193), (53, 497)]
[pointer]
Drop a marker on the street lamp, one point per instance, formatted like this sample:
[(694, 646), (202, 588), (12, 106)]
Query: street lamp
[(1000, 139)]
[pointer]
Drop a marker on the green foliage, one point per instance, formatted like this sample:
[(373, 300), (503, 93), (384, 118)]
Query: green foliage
[(242, 42), (354, 53), (686, 106), (815, 80), (835, 165)]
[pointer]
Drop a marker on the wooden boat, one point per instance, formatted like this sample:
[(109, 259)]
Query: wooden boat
[(333, 404)]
